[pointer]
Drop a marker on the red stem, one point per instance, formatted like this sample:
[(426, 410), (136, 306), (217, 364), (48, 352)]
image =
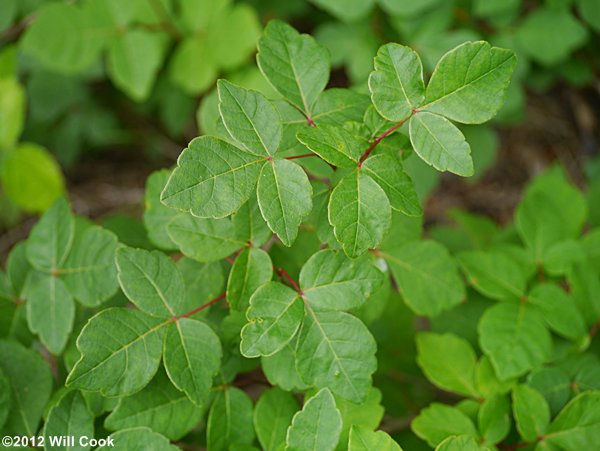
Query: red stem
[(306, 155), (202, 307), (380, 138), (282, 272)]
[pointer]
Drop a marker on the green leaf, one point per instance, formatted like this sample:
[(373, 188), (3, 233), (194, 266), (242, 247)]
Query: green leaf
[(213, 178), (363, 439), (469, 83), (141, 439), (159, 406), (439, 421), (427, 276), (250, 118), (251, 269), (367, 414), (230, 420), (204, 240), (396, 84), (129, 357), (554, 384), (249, 224), (192, 357), (515, 339), (335, 350), (589, 10), (5, 403), (346, 10), (272, 416), (156, 215), (294, 64), (334, 144), (389, 174), (494, 419), (559, 310), (275, 315), (359, 212), (280, 368), (460, 443), (70, 416), (134, 60), (284, 197), (151, 281), (331, 281), (494, 274), (317, 426), (448, 361), (193, 56), (30, 382), (440, 144), (531, 412), (50, 310), (336, 106), (577, 426), (12, 113), (585, 289)]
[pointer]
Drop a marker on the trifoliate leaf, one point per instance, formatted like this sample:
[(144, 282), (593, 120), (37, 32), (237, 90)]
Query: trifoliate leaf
[(396, 84), (157, 215), (359, 212), (316, 426), (364, 439), (272, 415), (250, 118), (440, 144), (70, 416), (284, 197), (230, 420), (130, 355), (141, 439), (439, 421), (294, 64), (251, 269), (334, 144), (531, 412), (335, 350), (275, 315), (213, 178), (331, 281), (469, 82), (577, 426)]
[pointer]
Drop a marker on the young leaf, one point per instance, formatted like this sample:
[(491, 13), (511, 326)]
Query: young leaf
[(389, 174), (157, 215), (448, 361), (251, 269), (192, 357), (70, 416), (439, 421), (275, 315), (230, 420), (272, 415), (159, 406), (469, 82), (250, 119), (531, 412), (364, 439), (213, 178), (141, 439), (334, 144), (440, 144), (284, 197), (130, 355), (337, 351), (427, 276), (359, 212), (294, 64), (396, 84), (577, 426), (316, 426), (515, 339), (331, 281)]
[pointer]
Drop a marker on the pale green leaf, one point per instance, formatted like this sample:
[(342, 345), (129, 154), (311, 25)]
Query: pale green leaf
[(396, 84), (438, 421), (364, 439), (156, 215), (389, 174), (469, 83), (317, 426), (272, 415), (250, 118), (334, 144), (284, 197), (192, 357), (275, 315), (427, 276), (359, 212), (192, 66), (332, 281), (448, 361), (440, 144), (70, 416), (213, 178), (515, 338), (251, 269), (531, 412), (294, 64), (577, 426), (335, 350), (141, 439), (230, 420), (129, 357)]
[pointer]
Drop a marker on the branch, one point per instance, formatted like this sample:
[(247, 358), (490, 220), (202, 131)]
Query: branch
[(202, 307), (306, 155), (283, 273), (381, 137)]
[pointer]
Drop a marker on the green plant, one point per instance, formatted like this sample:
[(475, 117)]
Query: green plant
[(276, 248)]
